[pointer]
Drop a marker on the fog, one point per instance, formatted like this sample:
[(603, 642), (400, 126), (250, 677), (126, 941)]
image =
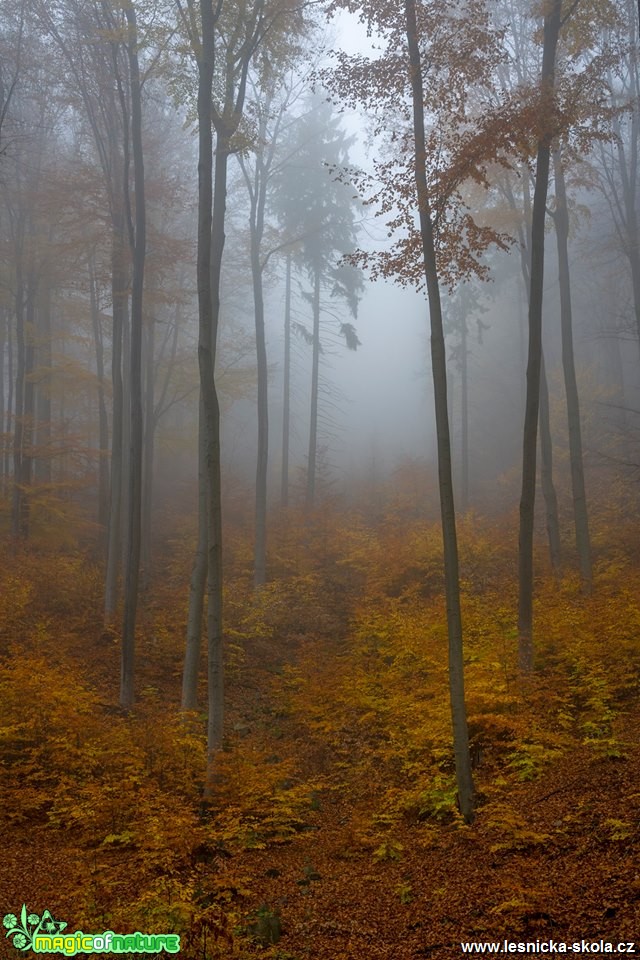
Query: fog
[(375, 403)]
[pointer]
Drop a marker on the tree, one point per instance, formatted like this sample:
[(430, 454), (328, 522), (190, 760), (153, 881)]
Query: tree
[(137, 233), (9, 75), (560, 216), (425, 173), (286, 388), (619, 166), (460, 307), (520, 74), (234, 31), (316, 209), (95, 70), (445, 477), (552, 24), (30, 124), (267, 115)]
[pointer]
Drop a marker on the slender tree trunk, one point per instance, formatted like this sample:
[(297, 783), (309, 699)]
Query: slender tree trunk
[(3, 340), (532, 402), (581, 519), (10, 400), (286, 408), (439, 369), (207, 356), (134, 519), (43, 391), (198, 582), (29, 410), (103, 418), (546, 475), (211, 220), (628, 169), (212, 201), (126, 423), (546, 447), (118, 301), (18, 426), (464, 417), (149, 452), (24, 407), (315, 375), (257, 226)]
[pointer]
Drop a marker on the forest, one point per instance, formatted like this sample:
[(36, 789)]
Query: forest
[(319, 466)]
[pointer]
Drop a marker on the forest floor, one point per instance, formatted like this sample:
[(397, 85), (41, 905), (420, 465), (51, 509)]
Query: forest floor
[(332, 832), (571, 873)]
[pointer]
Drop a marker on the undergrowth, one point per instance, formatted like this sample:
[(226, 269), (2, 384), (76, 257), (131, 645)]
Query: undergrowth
[(333, 692)]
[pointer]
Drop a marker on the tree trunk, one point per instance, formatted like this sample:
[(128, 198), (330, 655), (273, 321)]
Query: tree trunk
[(629, 172), (581, 519), (546, 475), (439, 370), (209, 262), (257, 228), (197, 585), (24, 407), (10, 400), (546, 447), (286, 408), (315, 374), (532, 401), (118, 306), (42, 461), (126, 423), (149, 452), (213, 463), (3, 339), (464, 417), (134, 519), (103, 418)]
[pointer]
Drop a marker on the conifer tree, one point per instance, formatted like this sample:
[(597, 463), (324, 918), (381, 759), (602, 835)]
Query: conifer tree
[(317, 210)]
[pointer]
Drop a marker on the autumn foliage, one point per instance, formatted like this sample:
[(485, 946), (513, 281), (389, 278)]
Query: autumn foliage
[(332, 830)]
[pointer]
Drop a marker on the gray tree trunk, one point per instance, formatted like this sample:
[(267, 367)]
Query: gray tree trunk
[(546, 475), (209, 261), (103, 418), (286, 404), (315, 376), (439, 369), (24, 407), (10, 401), (198, 582), (114, 533), (580, 514), (42, 462), (256, 226), (532, 401), (464, 417), (149, 452), (215, 641), (212, 201), (134, 519), (546, 446), (3, 341)]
